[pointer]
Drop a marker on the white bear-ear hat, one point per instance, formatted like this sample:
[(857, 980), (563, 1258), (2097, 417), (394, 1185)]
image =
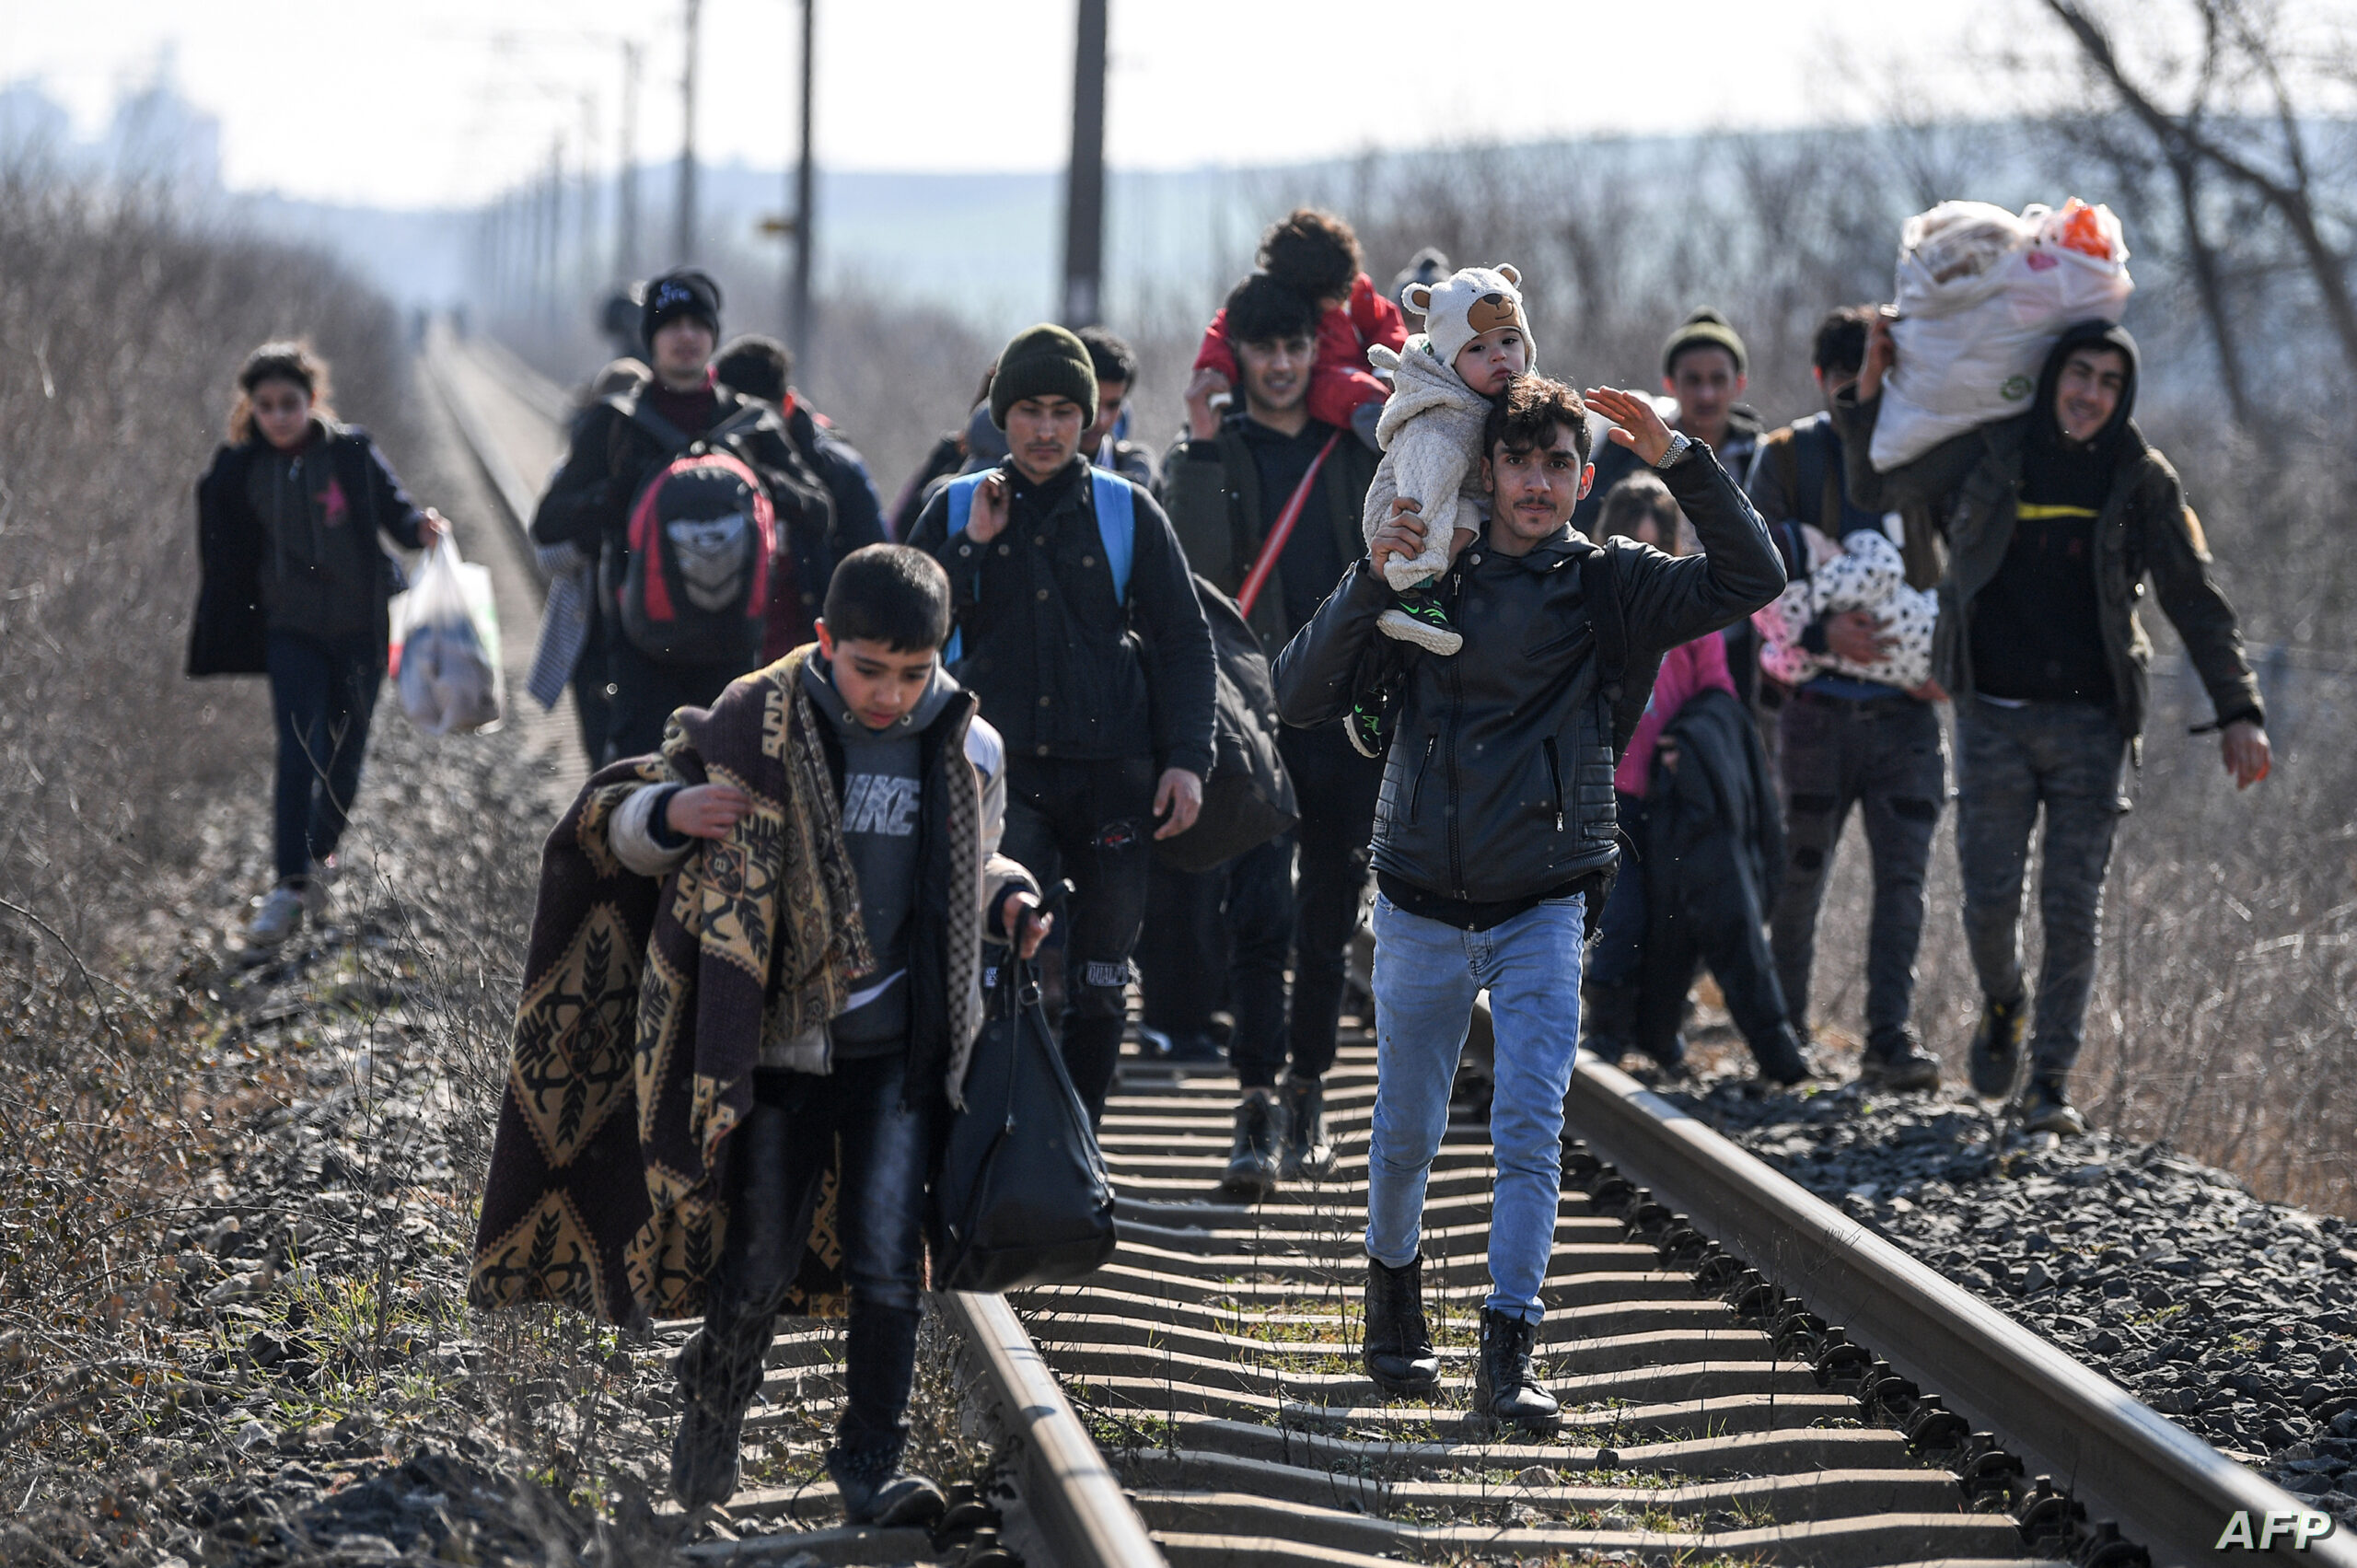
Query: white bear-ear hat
[(1471, 301)]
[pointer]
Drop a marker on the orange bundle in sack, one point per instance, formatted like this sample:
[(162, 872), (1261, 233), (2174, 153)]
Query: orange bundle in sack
[(2086, 230)]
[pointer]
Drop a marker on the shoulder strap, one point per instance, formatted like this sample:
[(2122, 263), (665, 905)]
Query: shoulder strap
[(633, 407), (1811, 498), (959, 493), (1117, 525), (1600, 585)]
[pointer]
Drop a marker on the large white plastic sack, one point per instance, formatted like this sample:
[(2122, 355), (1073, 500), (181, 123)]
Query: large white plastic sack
[(1981, 296), (446, 646)]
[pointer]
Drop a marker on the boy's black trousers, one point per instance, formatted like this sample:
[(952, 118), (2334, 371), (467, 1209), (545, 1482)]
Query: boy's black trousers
[(776, 1163)]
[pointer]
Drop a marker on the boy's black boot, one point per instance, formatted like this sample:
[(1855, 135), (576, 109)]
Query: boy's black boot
[(1306, 1151), (1503, 1388), (712, 1422), (1996, 1052), (876, 1490), (1399, 1348), (1253, 1160)]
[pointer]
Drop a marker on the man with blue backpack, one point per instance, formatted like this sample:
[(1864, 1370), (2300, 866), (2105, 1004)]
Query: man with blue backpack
[(700, 512), (1078, 627)]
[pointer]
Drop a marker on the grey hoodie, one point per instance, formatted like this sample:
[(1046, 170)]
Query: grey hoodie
[(883, 784)]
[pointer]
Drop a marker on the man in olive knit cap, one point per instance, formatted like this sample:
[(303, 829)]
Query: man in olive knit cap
[(1053, 564)]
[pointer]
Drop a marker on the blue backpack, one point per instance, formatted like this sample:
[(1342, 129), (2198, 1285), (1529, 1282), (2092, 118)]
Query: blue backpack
[(1117, 525)]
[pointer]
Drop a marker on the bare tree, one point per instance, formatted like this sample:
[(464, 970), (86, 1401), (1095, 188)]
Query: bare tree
[(2240, 47)]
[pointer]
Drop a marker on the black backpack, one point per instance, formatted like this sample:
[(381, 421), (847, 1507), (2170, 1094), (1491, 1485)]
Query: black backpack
[(703, 531), (1249, 799)]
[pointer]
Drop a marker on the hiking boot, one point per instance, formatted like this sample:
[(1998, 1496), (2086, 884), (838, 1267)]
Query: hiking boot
[(1503, 1388), (1996, 1053), (1306, 1152), (1399, 1348), (1252, 1161), (2046, 1108), (877, 1491), (1901, 1065), (1780, 1058), (704, 1455), (1419, 619), (281, 915)]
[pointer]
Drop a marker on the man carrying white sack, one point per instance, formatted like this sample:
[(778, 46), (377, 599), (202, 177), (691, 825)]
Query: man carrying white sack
[(2053, 519)]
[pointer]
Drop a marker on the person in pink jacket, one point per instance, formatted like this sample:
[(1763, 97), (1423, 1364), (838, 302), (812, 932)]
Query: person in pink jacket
[(1640, 507)]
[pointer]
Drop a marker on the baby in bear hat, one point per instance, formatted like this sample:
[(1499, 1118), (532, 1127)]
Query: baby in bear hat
[(1476, 339)]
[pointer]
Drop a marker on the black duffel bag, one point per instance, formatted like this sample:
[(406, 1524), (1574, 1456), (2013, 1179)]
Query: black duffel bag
[(1022, 1198), (1247, 800)]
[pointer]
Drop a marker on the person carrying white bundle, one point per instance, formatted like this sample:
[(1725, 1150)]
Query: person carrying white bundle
[(1981, 296), (1476, 339), (1862, 571)]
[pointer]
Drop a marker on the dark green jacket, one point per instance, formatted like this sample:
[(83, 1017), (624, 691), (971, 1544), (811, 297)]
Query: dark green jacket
[(1211, 491), (1973, 483)]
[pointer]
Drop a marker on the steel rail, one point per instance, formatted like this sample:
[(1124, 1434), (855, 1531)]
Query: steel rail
[(1073, 1498), (2167, 1489)]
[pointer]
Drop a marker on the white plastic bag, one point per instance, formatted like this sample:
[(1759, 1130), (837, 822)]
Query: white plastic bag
[(446, 646), (1982, 295)]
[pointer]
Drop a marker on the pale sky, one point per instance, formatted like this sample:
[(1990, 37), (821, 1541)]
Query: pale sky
[(423, 102)]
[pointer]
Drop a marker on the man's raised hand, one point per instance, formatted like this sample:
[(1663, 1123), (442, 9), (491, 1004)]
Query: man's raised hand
[(989, 516), (1882, 353), (707, 811), (1203, 414), (1636, 425)]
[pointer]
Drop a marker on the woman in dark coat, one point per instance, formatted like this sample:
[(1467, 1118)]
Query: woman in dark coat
[(294, 586)]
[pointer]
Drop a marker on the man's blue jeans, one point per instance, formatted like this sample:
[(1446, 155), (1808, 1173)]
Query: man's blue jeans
[(1426, 975)]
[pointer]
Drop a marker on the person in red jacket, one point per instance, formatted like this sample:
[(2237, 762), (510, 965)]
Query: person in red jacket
[(1316, 254)]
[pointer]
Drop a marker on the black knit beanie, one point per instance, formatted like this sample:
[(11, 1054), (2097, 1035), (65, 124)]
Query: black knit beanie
[(1704, 329), (1044, 361), (684, 291)]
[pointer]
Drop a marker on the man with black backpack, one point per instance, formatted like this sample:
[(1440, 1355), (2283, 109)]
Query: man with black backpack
[(699, 510), (1079, 630), (1267, 492), (1495, 832)]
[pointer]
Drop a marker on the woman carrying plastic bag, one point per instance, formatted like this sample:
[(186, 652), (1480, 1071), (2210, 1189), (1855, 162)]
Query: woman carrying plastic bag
[(291, 520), (445, 652)]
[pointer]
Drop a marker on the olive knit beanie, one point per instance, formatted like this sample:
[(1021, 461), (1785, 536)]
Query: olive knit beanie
[(1704, 329), (1044, 361)]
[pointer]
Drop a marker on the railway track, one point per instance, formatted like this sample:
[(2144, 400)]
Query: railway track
[(1748, 1376)]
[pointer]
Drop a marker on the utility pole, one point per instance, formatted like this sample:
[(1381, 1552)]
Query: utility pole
[(1085, 179), (626, 193), (585, 256), (553, 240), (797, 299), (685, 243)]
